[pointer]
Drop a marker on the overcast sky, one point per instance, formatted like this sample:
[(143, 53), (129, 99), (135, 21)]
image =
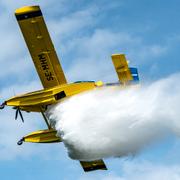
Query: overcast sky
[(85, 34)]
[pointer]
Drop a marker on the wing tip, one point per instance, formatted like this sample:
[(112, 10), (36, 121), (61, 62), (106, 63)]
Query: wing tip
[(26, 9), (28, 12), (93, 165), (116, 55)]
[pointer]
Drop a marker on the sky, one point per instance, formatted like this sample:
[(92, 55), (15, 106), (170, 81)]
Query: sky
[(85, 34)]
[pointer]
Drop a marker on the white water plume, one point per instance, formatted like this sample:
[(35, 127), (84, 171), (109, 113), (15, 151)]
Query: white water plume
[(111, 122)]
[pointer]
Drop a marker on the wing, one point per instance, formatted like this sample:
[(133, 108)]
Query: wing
[(40, 46), (125, 74), (93, 165)]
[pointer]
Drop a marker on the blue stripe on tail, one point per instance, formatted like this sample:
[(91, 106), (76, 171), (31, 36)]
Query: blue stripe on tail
[(134, 73)]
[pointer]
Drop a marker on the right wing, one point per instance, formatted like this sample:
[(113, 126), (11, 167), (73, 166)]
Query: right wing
[(93, 165), (125, 74), (40, 46)]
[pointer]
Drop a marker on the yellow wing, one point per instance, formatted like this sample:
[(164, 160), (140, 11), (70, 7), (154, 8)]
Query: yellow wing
[(122, 69), (93, 165), (40, 46)]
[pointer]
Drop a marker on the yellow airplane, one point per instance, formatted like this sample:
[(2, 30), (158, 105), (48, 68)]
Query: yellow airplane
[(52, 77)]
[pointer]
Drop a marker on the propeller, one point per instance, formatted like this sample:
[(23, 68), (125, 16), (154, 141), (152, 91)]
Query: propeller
[(18, 112)]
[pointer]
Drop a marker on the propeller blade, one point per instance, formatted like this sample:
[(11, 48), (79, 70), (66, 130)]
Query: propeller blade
[(20, 113), (17, 111)]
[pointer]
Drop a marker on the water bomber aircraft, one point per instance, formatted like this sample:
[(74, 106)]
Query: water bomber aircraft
[(55, 86)]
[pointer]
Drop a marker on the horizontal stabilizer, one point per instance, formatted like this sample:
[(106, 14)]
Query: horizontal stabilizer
[(93, 165), (121, 66)]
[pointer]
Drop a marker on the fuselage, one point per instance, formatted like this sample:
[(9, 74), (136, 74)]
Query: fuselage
[(38, 101)]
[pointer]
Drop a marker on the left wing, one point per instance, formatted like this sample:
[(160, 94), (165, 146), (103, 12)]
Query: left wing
[(125, 74), (93, 165), (39, 43)]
